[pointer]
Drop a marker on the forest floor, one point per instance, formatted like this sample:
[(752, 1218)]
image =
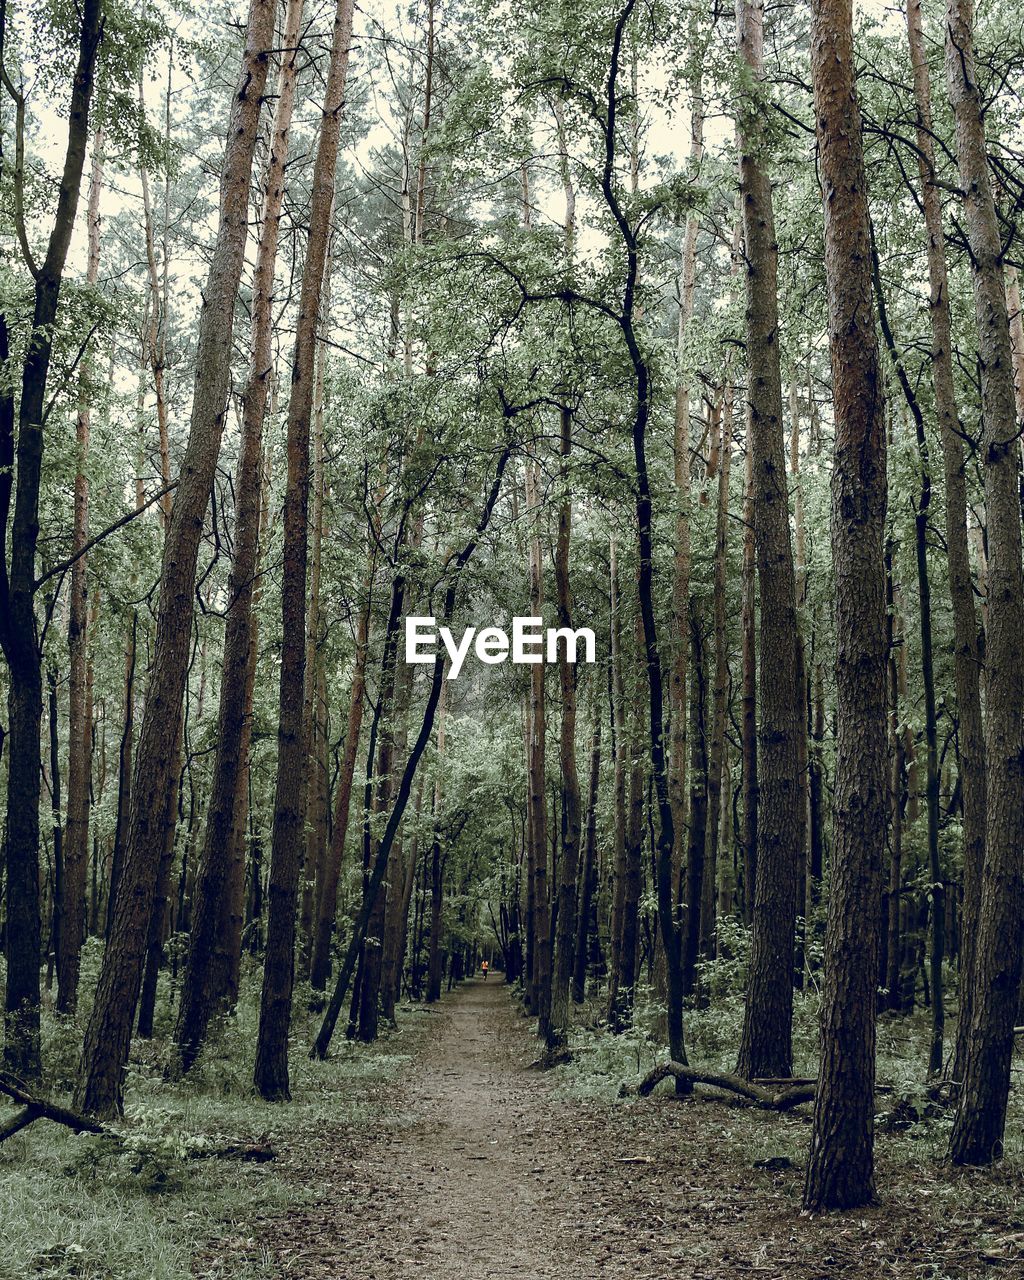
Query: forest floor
[(469, 1163)]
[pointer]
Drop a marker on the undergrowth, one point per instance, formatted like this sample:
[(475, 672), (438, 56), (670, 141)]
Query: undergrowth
[(87, 1208)]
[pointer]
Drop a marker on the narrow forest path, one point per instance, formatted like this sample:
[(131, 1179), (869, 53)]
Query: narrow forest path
[(471, 1165)]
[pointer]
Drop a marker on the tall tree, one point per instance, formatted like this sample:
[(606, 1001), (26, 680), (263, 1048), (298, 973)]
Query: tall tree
[(108, 1038), (202, 989), (76, 831), (766, 1047), (18, 635), (996, 970), (271, 1070), (840, 1168)]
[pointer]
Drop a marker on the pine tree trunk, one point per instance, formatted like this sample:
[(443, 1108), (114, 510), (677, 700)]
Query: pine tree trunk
[(76, 833), (217, 879), (588, 880), (271, 1070), (766, 1046), (966, 653), (748, 722), (537, 779), (840, 1168), (108, 1037), (565, 941), (996, 970)]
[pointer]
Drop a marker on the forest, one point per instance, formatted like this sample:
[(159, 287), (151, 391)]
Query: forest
[(512, 613)]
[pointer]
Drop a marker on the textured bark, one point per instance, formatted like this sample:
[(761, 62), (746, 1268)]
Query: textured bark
[(202, 989), (314, 709), (766, 1045), (840, 1168), (109, 1034), (981, 1113), (966, 650), (271, 1070), (566, 930), (18, 636), (76, 832)]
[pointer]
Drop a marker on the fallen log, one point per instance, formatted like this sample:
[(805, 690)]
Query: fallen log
[(757, 1095), (36, 1108)]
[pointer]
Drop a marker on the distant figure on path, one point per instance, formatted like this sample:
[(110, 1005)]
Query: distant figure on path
[(485, 970)]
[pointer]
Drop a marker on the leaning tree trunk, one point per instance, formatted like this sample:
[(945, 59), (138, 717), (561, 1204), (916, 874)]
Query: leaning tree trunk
[(108, 1038), (766, 1046), (271, 1069), (76, 832), (840, 1168), (981, 1114), (18, 636)]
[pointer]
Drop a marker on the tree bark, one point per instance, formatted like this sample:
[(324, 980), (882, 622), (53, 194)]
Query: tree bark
[(840, 1168), (271, 1069), (996, 971), (108, 1038), (766, 1047), (966, 649), (18, 636), (76, 831), (565, 941)]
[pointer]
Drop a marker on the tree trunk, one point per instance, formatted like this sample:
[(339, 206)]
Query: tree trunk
[(18, 636), (537, 781), (588, 880), (966, 652), (565, 942), (76, 833), (327, 895), (748, 722), (108, 1037), (840, 1169), (766, 1047), (619, 752), (271, 1070), (981, 1113), (203, 988), (709, 893)]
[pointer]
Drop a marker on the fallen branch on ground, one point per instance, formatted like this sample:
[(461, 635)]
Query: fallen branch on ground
[(757, 1095), (35, 1108)]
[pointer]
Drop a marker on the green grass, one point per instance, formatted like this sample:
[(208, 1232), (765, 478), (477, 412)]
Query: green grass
[(83, 1207)]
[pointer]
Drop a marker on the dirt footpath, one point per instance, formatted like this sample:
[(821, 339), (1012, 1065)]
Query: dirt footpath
[(477, 1168)]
